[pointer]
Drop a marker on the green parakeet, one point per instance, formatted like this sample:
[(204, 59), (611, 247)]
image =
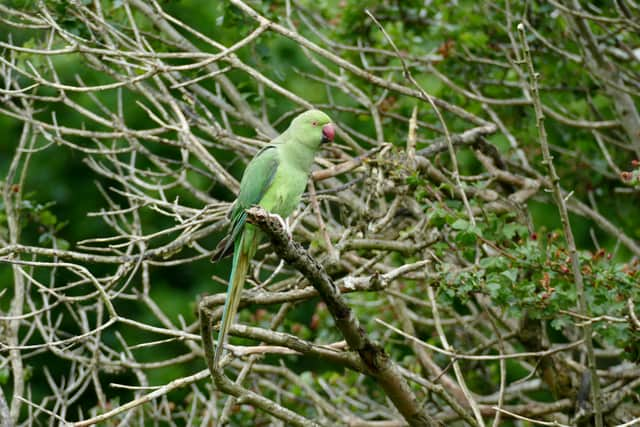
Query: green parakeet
[(275, 180)]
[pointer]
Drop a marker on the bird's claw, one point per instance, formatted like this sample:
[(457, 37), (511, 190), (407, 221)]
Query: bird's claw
[(285, 226), (283, 222)]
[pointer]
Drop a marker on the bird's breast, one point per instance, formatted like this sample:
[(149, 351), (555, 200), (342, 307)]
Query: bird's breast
[(283, 196)]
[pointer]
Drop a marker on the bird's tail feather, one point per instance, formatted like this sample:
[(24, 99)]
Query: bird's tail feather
[(240, 265)]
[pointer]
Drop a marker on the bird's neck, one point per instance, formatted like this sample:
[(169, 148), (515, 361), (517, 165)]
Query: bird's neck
[(299, 154)]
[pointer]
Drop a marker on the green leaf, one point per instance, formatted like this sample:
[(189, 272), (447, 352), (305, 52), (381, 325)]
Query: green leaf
[(4, 375), (466, 238), (47, 218), (493, 288), (460, 224), (512, 230), (511, 274), (493, 263)]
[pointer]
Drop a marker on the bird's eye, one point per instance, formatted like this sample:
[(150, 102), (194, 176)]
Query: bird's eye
[(314, 123)]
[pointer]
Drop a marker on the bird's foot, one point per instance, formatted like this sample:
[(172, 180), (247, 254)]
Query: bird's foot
[(285, 226), (261, 212)]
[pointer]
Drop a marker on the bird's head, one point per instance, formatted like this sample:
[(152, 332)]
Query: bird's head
[(312, 128)]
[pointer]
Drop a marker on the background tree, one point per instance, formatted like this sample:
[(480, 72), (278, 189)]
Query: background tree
[(478, 214)]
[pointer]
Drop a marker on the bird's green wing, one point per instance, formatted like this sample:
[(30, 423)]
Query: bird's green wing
[(256, 180)]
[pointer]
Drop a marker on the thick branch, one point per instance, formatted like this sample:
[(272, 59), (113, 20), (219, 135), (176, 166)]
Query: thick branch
[(380, 366)]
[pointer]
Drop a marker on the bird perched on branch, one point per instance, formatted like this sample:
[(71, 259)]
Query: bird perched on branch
[(275, 180)]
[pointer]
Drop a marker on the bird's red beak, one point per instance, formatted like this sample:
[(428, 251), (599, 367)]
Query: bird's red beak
[(328, 132)]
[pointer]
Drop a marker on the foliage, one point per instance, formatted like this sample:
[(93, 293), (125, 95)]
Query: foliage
[(127, 126)]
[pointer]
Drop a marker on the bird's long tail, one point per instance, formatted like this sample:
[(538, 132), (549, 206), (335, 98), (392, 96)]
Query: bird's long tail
[(241, 258)]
